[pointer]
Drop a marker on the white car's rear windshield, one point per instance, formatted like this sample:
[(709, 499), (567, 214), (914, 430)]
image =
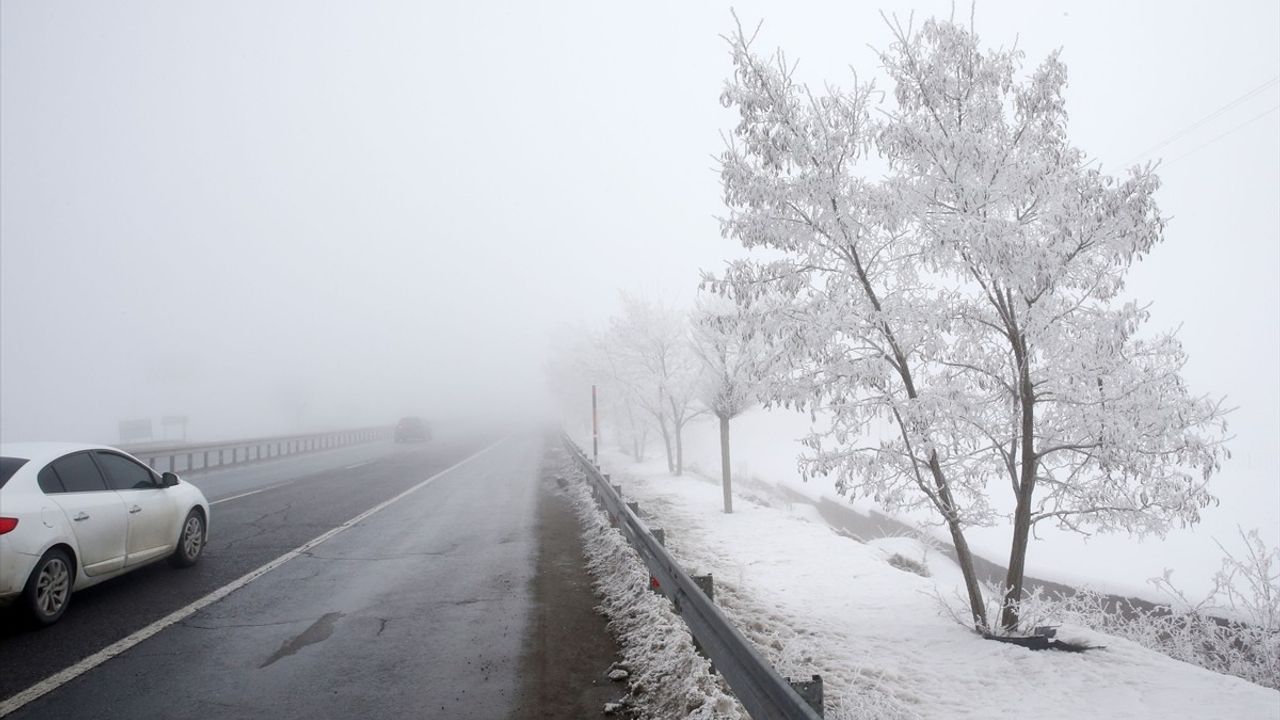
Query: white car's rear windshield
[(9, 466)]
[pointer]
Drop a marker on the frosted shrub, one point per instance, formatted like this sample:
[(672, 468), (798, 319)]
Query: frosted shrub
[(1234, 630), (905, 563)]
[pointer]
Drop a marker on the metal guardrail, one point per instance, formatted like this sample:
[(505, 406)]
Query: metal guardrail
[(761, 690), (211, 456)]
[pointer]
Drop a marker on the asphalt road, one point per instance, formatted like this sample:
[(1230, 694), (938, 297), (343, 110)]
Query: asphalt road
[(425, 608)]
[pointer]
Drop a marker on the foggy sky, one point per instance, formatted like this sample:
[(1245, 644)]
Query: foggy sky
[(282, 216)]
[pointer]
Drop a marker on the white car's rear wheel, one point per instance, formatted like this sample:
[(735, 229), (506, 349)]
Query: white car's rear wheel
[(48, 590)]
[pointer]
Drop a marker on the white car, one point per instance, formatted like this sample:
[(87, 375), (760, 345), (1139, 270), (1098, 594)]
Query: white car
[(72, 516)]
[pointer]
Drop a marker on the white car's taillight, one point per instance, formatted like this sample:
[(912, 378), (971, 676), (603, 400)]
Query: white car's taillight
[(7, 524)]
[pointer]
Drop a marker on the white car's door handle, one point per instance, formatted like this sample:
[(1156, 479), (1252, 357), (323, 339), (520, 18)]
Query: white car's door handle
[(82, 516), (135, 509)]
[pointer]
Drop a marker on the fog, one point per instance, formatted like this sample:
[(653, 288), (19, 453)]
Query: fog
[(286, 216)]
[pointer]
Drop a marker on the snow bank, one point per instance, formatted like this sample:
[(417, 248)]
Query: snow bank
[(667, 678)]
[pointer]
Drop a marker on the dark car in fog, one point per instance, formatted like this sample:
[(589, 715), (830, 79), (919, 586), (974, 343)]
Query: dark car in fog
[(412, 429)]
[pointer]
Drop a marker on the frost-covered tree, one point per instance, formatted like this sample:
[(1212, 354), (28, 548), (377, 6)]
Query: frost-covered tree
[(649, 348), (736, 360), (862, 328), (622, 401), (958, 320), (1085, 413), (584, 359)]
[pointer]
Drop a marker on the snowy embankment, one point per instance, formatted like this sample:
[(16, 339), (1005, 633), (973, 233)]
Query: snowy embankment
[(667, 677), (815, 601)]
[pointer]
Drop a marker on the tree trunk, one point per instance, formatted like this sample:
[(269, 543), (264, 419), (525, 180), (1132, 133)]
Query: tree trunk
[(964, 557), (666, 440), (679, 449), (1009, 616), (677, 423), (726, 480), (637, 435)]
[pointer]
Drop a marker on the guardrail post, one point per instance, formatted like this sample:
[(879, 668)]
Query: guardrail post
[(810, 691), (634, 507), (705, 584)]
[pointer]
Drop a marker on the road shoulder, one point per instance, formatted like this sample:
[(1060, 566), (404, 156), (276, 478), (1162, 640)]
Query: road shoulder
[(569, 649)]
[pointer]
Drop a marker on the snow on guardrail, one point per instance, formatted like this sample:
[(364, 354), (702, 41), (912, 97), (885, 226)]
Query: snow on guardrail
[(764, 693)]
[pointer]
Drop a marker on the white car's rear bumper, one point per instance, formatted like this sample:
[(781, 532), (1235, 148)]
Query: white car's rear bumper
[(15, 568)]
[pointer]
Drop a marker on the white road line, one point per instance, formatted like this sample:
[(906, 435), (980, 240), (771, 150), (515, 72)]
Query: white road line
[(64, 676), (359, 464), (251, 492)]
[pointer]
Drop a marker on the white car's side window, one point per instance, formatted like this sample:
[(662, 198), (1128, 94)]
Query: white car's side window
[(125, 474), (78, 473), (49, 480)]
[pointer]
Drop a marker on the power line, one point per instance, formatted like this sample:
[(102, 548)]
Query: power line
[(1205, 119), (1232, 130)]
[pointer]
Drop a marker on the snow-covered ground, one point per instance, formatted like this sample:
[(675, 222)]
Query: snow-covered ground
[(816, 601), (765, 446)]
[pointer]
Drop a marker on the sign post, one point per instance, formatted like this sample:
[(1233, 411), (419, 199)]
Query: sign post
[(595, 430)]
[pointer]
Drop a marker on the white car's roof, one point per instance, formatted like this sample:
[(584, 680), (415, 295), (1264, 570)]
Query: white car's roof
[(44, 452)]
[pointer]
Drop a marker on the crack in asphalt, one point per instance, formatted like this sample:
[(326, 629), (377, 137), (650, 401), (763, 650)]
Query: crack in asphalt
[(259, 529), (187, 623), (397, 556)]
